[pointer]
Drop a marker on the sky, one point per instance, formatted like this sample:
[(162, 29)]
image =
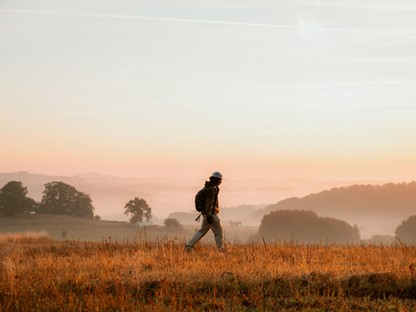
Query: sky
[(321, 89)]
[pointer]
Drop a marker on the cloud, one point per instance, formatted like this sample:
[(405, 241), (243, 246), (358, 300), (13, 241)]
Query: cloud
[(201, 21)]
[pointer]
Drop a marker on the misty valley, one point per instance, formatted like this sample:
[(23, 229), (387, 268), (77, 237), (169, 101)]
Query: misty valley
[(325, 217)]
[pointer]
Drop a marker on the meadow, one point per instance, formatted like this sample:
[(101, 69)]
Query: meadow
[(60, 227), (41, 274)]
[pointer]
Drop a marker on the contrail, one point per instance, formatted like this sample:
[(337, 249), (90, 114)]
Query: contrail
[(213, 22), (317, 85)]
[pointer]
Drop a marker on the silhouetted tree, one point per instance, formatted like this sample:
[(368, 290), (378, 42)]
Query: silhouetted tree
[(307, 227), (406, 232), (172, 223), (63, 199), (13, 199), (138, 209)]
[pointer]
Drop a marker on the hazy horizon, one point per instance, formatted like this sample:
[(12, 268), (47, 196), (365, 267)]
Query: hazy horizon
[(109, 194)]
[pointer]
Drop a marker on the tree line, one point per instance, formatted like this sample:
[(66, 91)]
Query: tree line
[(60, 198)]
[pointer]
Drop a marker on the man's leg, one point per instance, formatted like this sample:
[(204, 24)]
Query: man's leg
[(198, 235), (217, 229)]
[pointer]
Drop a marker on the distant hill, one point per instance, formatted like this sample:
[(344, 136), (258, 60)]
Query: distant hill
[(240, 213), (376, 209)]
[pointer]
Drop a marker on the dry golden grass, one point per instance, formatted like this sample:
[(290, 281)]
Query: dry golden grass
[(22, 236), (39, 274)]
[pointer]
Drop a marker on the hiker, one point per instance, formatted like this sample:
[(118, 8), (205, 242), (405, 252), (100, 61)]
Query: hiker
[(209, 213)]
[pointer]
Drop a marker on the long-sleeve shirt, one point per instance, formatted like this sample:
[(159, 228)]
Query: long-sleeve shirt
[(211, 198)]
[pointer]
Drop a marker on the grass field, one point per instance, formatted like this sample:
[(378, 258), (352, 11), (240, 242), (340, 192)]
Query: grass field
[(40, 274)]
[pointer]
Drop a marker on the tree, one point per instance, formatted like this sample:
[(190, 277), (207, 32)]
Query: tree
[(138, 209), (306, 227), (63, 199), (13, 199), (172, 223), (406, 232)]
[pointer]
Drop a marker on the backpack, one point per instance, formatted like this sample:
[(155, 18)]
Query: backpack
[(200, 200)]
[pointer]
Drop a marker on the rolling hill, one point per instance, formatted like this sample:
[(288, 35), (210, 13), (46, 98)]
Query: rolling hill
[(375, 209)]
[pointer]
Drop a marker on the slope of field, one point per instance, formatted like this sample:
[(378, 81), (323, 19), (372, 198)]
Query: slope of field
[(66, 227), (73, 228), (38, 274)]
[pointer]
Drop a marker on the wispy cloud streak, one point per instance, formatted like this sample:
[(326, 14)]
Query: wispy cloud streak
[(317, 85), (200, 21)]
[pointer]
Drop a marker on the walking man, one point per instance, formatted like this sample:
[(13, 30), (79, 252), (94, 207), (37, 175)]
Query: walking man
[(210, 212)]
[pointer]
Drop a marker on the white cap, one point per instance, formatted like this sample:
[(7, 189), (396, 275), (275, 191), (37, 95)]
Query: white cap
[(217, 175)]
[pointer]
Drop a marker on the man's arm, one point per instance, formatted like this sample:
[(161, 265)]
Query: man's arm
[(209, 200)]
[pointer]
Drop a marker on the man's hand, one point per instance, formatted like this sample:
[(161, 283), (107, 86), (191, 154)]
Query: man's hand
[(210, 219)]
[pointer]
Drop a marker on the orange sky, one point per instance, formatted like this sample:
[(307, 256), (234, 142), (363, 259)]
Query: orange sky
[(253, 89)]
